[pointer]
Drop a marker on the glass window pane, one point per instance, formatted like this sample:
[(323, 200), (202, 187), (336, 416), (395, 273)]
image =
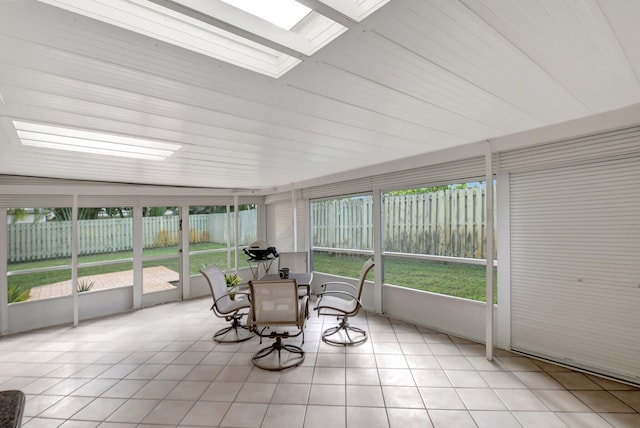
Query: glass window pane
[(105, 235), (38, 238), (441, 223), (342, 229), (454, 279)]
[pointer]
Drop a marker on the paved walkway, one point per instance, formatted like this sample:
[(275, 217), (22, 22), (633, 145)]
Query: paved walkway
[(155, 278)]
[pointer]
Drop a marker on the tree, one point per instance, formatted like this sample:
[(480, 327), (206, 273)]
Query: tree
[(428, 189)]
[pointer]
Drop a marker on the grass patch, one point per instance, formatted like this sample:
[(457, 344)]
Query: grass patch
[(453, 279), (22, 283)]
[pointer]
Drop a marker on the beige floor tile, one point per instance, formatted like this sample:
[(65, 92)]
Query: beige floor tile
[(328, 395), (396, 377), (452, 419), (362, 376), (99, 409), (561, 400), (521, 399), (155, 389), (284, 416), (365, 396), (453, 362), (494, 419), (630, 398), (291, 393), (205, 413), (367, 417), (480, 399), (402, 396), (391, 361), (256, 393), (603, 401), (325, 416), (330, 360), (441, 398), (404, 418), (622, 420), (168, 412), (245, 415), (133, 411), (465, 379), (574, 380), (499, 380), (329, 375), (432, 378), (583, 420), (422, 362), (539, 420), (538, 380), (361, 360)]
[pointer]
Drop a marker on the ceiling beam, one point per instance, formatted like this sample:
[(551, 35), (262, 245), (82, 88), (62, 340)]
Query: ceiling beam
[(343, 12)]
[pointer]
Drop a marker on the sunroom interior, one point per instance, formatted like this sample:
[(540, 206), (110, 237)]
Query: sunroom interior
[(367, 129)]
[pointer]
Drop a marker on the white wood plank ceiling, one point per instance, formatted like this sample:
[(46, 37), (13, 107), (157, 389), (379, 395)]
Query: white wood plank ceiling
[(414, 77)]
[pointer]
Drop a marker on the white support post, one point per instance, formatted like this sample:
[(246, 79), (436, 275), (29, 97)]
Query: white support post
[(137, 257), (236, 230), (377, 249), (489, 252), (4, 279), (228, 234), (294, 209), (74, 257), (185, 274)]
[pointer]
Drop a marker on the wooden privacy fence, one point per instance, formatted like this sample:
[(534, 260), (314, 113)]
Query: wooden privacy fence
[(52, 240), (443, 223)]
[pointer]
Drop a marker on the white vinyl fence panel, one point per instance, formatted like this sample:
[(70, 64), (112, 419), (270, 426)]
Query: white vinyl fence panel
[(445, 223), (52, 240)]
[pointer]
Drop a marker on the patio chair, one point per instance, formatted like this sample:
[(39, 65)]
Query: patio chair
[(277, 313), (12, 404), (296, 262), (225, 307), (343, 303)]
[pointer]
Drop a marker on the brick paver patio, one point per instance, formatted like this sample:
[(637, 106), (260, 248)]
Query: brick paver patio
[(155, 278)]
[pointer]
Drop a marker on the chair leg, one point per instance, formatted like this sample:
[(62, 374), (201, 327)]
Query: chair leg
[(272, 358), (236, 332), (344, 334)]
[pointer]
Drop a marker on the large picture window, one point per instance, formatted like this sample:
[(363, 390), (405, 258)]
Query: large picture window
[(434, 239), (342, 234)]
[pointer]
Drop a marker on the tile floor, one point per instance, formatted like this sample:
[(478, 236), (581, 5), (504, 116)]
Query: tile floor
[(158, 367)]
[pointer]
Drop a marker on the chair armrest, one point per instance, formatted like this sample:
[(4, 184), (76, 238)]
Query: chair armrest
[(238, 293), (336, 292), (324, 286)]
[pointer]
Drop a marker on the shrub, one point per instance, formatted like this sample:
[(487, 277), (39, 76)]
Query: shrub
[(85, 285), (18, 293)]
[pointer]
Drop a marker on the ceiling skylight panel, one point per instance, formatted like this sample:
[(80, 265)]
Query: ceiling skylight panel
[(59, 138), (266, 36), (283, 13)]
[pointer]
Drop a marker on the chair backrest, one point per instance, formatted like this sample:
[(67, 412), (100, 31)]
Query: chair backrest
[(218, 287), (364, 271), (297, 262), (274, 303)]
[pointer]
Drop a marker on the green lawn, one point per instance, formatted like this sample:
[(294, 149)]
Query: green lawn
[(18, 284), (454, 279), (466, 281)]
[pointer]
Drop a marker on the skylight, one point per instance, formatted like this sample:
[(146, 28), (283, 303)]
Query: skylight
[(266, 36), (76, 140), (283, 13)]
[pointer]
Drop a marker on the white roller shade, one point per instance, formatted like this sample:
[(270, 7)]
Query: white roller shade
[(575, 265)]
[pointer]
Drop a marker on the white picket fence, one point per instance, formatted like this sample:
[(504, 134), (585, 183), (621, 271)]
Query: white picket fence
[(444, 223), (52, 240)]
